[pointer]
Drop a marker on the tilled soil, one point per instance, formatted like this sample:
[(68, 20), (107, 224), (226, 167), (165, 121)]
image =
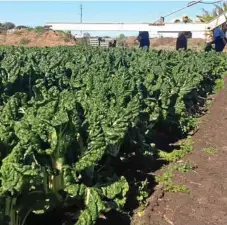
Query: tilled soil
[(207, 201)]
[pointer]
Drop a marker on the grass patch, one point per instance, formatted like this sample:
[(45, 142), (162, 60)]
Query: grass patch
[(184, 167), (211, 151), (37, 30), (3, 39), (24, 41), (175, 155), (67, 39), (166, 179), (219, 85)]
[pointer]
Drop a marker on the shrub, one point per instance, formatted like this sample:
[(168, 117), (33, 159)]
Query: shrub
[(24, 41)]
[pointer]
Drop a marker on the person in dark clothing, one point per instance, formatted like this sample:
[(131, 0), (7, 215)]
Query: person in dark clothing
[(144, 40), (216, 37), (219, 38), (113, 44), (182, 41)]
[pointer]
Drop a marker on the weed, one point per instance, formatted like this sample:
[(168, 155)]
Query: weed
[(39, 30), (178, 188), (29, 28), (167, 181), (18, 32), (24, 41), (143, 192), (175, 155), (3, 39), (184, 167), (66, 39), (211, 151), (219, 85)]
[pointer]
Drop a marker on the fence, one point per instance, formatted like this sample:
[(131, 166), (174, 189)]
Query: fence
[(103, 43)]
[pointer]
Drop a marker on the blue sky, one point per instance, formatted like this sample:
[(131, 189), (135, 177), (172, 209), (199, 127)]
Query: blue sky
[(34, 13)]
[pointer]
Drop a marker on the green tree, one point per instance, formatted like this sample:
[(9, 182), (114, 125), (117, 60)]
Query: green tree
[(87, 35), (122, 37), (208, 16), (9, 25)]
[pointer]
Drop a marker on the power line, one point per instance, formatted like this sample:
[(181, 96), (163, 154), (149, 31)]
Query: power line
[(189, 5), (81, 17), (81, 13), (202, 2), (178, 10)]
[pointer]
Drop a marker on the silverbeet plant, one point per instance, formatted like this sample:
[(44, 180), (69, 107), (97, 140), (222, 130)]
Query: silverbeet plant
[(68, 113)]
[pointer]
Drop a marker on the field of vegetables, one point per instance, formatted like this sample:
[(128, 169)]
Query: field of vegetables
[(73, 117)]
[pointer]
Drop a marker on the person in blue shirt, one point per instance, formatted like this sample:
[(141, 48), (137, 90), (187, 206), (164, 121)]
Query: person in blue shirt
[(182, 41), (144, 40), (219, 38)]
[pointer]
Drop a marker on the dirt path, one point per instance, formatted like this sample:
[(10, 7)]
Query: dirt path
[(207, 201)]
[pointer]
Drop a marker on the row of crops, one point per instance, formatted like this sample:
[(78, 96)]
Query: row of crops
[(68, 114)]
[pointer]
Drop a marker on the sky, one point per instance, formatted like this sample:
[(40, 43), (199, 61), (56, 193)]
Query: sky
[(37, 13)]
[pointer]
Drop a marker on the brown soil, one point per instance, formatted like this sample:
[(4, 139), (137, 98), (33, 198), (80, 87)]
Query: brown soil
[(34, 39), (207, 201), (169, 43), (25, 37)]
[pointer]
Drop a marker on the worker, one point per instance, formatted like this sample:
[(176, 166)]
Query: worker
[(182, 41), (185, 19), (209, 39), (219, 38), (144, 40), (110, 44), (113, 44)]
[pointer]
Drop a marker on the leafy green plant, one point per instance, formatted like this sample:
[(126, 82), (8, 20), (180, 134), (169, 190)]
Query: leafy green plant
[(68, 114), (143, 192)]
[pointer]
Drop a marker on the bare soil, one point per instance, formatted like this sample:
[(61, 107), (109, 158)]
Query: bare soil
[(207, 201), (29, 38)]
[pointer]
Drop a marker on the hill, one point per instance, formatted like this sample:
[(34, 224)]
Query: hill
[(37, 38)]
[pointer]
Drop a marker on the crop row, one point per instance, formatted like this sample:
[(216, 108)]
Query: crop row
[(69, 113)]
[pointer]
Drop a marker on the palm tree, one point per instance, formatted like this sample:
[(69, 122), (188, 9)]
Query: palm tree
[(208, 16)]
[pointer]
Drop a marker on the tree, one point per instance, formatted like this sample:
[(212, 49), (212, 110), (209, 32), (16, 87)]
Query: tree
[(121, 36), (21, 27), (177, 21), (121, 39), (9, 25), (217, 11), (87, 35)]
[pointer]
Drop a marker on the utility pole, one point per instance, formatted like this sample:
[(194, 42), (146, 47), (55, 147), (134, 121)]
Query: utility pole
[(81, 17)]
